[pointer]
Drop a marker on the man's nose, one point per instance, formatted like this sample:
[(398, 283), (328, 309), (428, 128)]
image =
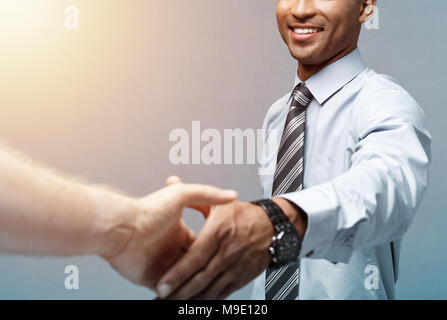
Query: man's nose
[(303, 9)]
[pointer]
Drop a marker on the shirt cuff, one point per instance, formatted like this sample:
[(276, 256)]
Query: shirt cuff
[(322, 225)]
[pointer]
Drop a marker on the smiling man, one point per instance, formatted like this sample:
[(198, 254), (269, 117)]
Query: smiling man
[(352, 165)]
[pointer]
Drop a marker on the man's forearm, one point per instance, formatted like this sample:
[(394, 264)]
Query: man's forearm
[(42, 212)]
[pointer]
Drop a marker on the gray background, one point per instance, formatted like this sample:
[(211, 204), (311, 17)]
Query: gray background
[(100, 102)]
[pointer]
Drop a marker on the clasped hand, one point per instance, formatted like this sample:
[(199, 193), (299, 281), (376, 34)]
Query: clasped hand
[(230, 251), (162, 253)]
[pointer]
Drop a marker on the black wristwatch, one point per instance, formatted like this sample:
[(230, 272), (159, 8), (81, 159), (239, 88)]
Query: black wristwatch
[(286, 244)]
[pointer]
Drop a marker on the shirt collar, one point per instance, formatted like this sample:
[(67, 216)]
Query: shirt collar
[(335, 76)]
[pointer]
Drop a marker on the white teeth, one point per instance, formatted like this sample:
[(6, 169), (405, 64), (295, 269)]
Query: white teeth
[(305, 30)]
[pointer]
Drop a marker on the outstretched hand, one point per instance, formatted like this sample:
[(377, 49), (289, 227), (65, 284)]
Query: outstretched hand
[(160, 237)]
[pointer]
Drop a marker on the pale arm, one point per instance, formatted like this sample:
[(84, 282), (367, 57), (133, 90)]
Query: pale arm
[(43, 212)]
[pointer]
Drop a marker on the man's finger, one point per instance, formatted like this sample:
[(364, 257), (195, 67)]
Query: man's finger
[(173, 180), (218, 287), (197, 257), (199, 195), (191, 237), (202, 197), (211, 196), (200, 281), (203, 209)]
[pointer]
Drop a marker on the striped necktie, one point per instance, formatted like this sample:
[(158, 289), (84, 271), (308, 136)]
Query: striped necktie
[(283, 283)]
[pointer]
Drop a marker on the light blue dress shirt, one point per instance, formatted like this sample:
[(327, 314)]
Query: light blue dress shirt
[(366, 161)]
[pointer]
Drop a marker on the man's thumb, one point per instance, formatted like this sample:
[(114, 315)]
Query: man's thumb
[(197, 195)]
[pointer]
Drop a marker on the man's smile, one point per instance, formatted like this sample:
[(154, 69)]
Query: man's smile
[(304, 32)]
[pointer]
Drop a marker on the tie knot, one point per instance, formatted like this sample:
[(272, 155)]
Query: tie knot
[(301, 95)]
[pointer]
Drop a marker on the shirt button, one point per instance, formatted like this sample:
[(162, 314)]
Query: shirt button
[(310, 254)]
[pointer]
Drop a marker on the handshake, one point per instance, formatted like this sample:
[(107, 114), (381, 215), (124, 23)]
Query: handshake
[(156, 249), (44, 212)]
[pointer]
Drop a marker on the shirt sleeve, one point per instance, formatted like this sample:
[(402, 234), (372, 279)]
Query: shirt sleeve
[(374, 202)]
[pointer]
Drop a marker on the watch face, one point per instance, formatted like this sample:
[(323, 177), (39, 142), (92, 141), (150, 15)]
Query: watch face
[(287, 247), (291, 240)]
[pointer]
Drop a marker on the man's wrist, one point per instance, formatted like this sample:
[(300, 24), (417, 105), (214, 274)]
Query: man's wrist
[(295, 215), (114, 223)]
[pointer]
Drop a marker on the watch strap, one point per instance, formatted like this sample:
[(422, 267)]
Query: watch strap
[(274, 212)]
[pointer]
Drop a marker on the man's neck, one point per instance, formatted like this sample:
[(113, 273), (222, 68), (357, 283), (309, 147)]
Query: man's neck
[(305, 71)]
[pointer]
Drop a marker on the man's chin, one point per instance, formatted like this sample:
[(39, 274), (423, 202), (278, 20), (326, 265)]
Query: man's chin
[(307, 56)]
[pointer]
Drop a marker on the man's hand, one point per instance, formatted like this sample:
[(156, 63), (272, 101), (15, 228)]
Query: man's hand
[(158, 236), (230, 251)]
